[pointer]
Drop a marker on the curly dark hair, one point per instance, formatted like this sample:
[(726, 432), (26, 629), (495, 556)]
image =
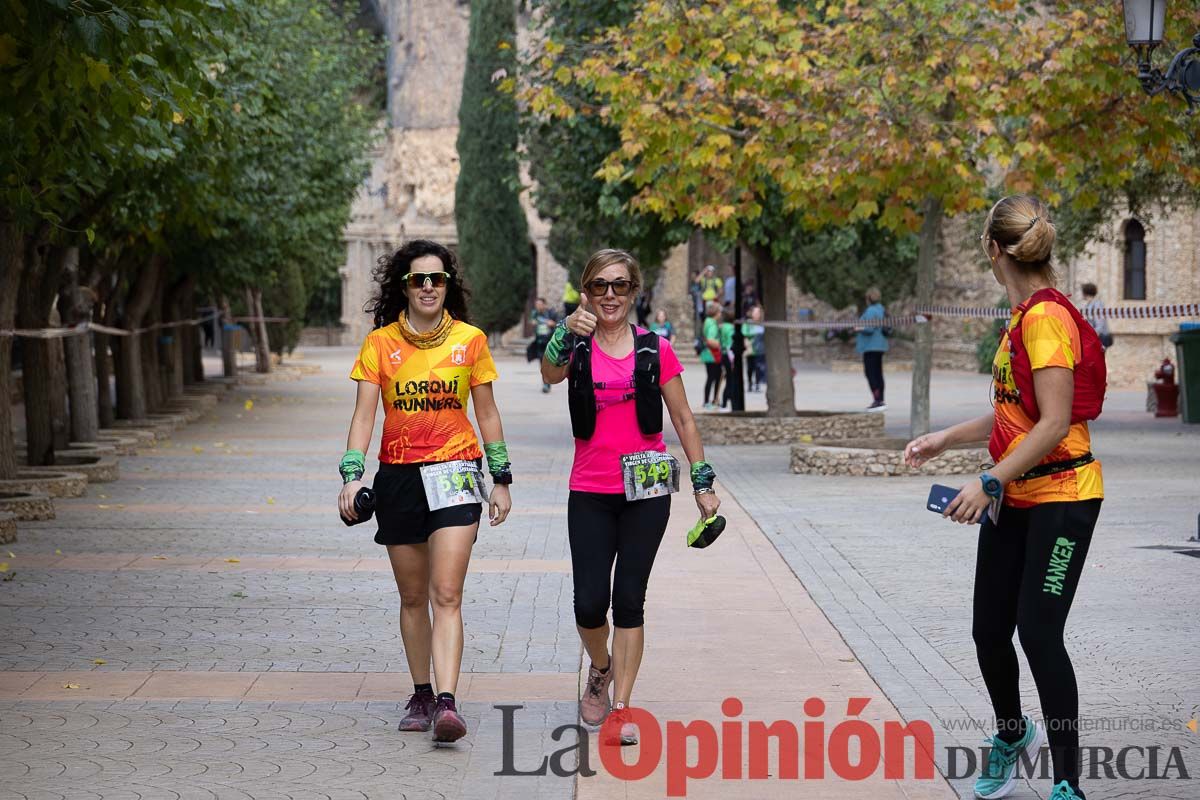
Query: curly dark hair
[(392, 297)]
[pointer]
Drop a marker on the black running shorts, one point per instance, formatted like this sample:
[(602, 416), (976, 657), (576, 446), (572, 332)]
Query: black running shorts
[(402, 511)]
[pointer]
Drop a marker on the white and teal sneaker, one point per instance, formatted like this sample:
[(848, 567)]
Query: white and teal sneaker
[(1063, 791), (999, 774)]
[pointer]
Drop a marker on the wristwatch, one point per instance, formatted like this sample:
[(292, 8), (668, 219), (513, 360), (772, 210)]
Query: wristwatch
[(991, 485)]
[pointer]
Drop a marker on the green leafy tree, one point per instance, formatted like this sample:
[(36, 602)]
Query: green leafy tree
[(564, 154), (906, 113), (493, 236)]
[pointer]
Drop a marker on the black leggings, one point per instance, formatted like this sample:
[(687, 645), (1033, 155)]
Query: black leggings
[(1026, 574), (713, 381), (602, 527), (873, 366)]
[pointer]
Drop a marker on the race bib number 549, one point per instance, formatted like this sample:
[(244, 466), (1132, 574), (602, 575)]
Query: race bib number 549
[(649, 474), (453, 483)]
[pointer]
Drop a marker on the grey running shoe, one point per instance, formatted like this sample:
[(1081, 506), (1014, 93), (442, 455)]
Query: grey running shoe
[(595, 705), (420, 712)]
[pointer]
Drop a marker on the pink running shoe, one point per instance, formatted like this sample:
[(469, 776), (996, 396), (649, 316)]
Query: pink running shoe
[(448, 726), (420, 713), (594, 705)]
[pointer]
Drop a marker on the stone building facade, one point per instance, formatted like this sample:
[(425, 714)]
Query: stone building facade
[(410, 191)]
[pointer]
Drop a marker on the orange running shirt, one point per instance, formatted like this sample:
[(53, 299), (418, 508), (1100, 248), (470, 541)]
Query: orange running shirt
[(425, 392), (1051, 340)]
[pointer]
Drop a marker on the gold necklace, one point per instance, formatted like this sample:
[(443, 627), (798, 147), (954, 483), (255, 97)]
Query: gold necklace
[(430, 338)]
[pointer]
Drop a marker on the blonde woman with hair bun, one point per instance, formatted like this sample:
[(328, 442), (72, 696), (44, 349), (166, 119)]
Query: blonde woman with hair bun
[(1038, 505)]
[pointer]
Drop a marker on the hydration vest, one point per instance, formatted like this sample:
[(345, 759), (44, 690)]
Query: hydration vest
[(1091, 374), (647, 394)]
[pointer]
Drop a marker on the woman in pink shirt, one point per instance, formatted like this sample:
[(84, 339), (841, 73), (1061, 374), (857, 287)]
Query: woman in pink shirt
[(620, 376)]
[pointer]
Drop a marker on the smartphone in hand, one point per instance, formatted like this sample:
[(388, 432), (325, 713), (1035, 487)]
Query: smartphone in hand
[(939, 498)]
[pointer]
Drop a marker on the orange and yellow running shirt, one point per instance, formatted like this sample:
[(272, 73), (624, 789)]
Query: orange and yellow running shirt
[(1052, 340), (425, 392)]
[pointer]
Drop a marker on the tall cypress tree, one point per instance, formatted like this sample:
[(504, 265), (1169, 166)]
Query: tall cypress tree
[(493, 238)]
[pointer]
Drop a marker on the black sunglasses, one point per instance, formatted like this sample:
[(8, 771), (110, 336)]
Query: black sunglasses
[(599, 287), (417, 280)]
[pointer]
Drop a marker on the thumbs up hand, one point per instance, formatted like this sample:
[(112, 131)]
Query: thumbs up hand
[(582, 321)]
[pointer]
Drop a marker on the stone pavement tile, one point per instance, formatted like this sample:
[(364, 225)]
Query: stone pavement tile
[(12, 684), (732, 621), (304, 685), (207, 685), (88, 685)]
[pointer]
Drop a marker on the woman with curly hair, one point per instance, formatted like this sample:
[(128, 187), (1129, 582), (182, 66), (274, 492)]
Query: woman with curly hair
[(423, 359)]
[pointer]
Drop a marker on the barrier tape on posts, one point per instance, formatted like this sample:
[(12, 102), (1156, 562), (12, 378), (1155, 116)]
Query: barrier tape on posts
[(924, 313), (84, 327)]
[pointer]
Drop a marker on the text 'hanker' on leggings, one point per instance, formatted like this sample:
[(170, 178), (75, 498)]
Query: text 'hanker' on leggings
[(1027, 570), (604, 527)]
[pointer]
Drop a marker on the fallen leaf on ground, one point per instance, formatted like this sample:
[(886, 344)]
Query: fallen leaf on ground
[(11, 554), (102, 505), (233, 561), (159, 558), (270, 501), (70, 685), (103, 497), (197, 449), (240, 594), (249, 405), (99, 662), (3, 566), (58, 552)]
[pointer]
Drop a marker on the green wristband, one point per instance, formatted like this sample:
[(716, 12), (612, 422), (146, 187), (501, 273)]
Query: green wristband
[(497, 456), (353, 465), (703, 476), (558, 349)]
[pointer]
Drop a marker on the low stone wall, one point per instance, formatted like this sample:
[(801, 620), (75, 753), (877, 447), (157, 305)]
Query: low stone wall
[(755, 427), (97, 469), (8, 528), (881, 457), (53, 481), (26, 505)]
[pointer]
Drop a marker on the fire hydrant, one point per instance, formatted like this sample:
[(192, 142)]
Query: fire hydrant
[(1166, 391)]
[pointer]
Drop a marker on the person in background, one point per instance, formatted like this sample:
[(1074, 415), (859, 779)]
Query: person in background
[(1092, 305), (696, 292), (726, 331), (643, 307), (754, 335), (662, 326), (570, 299), (729, 298), (710, 355), (711, 286), (543, 326), (872, 344)]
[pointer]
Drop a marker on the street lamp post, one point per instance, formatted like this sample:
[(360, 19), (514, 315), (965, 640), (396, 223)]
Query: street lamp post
[(1144, 22)]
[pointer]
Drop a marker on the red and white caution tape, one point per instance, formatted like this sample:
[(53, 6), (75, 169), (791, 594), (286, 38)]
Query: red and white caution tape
[(925, 313)]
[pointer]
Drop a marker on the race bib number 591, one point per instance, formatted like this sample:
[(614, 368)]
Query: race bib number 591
[(649, 474), (453, 483)]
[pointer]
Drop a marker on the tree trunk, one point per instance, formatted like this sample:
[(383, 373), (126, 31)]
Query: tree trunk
[(263, 338), (60, 415), (75, 304), (228, 353), (177, 301), (12, 262), (106, 314), (131, 388), (927, 258), (262, 345), (43, 267), (781, 395), (192, 367)]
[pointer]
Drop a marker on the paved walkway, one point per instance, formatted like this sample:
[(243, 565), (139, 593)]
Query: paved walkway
[(205, 627)]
